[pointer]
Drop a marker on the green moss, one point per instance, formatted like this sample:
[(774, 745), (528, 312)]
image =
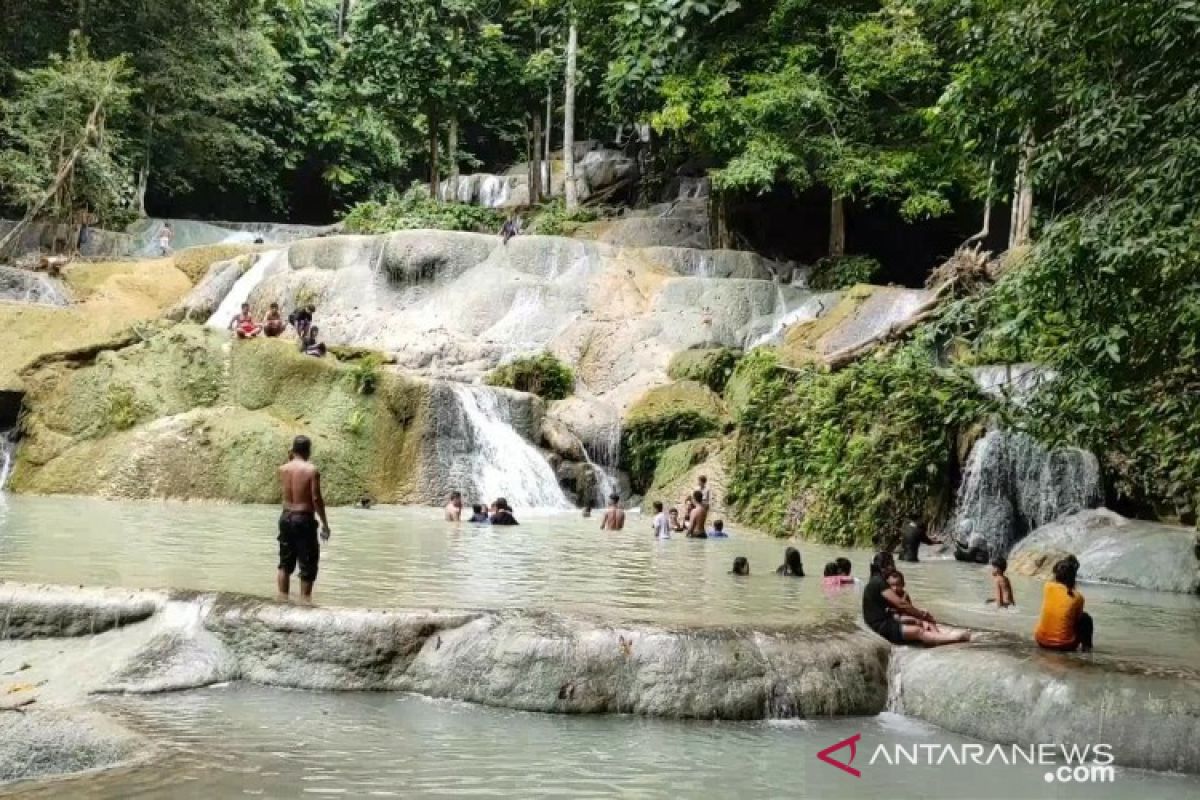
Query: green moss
[(662, 417), (711, 366), (800, 342), (543, 375), (844, 457)]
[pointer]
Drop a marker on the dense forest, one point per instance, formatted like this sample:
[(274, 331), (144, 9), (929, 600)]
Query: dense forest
[(1067, 133)]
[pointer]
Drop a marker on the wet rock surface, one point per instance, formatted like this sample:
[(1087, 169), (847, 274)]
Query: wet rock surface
[(41, 744), (1113, 549)]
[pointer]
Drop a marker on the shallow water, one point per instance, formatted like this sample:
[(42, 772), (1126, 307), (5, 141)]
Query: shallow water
[(409, 557), (244, 740)]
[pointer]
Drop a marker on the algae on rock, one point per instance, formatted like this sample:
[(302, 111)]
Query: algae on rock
[(664, 416), (711, 366), (680, 466), (199, 416)]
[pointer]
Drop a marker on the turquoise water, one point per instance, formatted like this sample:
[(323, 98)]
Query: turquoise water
[(248, 741)]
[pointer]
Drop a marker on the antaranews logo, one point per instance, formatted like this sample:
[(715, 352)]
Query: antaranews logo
[(1087, 763)]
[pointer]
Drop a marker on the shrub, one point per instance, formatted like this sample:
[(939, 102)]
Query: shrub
[(543, 375), (843, 272), (710, 366), (415, 209), (844, 457), (552, 219), (662, 417), (364, 374)]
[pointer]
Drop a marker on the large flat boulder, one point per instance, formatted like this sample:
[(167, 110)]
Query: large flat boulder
[(1113, 549)]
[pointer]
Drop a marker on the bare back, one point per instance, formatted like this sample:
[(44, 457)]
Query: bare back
[(300, 485), (614, 520)]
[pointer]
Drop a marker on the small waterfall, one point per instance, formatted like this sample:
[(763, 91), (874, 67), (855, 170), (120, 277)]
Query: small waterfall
[(8, 451), (494, 191), (810, 309), (240, 293), (1014, 484), (500, 463), (26, 286)]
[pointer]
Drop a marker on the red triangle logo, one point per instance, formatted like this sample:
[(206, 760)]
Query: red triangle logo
[(852, 743)]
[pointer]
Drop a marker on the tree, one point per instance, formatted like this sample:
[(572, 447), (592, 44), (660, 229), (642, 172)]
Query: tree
[(58, 153)]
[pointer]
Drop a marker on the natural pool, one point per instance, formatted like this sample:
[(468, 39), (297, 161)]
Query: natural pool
[(405, 557), (253, 741)]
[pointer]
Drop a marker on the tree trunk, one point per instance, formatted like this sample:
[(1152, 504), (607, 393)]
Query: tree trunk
[(535, 162), (986, 230), (343, 19), (433, 157), (549, 131), (452, 154), (1020, 232), (570, 190), (837, 227), (143, 175)]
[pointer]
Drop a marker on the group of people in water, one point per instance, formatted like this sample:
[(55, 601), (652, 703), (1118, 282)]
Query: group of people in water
[(887, 607), (244, 326)]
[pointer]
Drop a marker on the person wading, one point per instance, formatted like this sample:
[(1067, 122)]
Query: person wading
[(303, 503)]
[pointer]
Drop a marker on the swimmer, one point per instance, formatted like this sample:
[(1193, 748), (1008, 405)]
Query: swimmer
[(453, 508), (662, 522), (831, 578), (502, 513), (912, 536), (792, 565), (1004, 593), (844, 568), (718, 530), (673, 516), (614, 516), (479, 514), (365, 502), (740, 566)]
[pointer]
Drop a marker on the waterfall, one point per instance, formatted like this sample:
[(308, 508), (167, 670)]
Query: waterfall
[(25, 286), (240, 293), (500, 463), (1014, 484), (494, 191), (810, 309), (8, 450)]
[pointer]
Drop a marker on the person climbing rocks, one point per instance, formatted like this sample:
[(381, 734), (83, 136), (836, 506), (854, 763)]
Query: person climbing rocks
[(662, 522), (502, 513), (303, 504), (614, 515), (165, 235), (1063, 624), (897, 619), (741, 566), (243, 325), (1003, 597), (912, 536), (453, 509), (274, 325), (792, 565), (510, 228)]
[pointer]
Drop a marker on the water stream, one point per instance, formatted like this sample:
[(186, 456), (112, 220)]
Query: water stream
[(8, 450), (263, 266), (501, 462)]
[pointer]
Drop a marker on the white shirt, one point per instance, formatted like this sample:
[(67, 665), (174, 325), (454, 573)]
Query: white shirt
[(662, 525), (705, 495)]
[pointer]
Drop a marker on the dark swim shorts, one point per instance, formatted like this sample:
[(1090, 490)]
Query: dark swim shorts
[(298, 544), (890, 629)]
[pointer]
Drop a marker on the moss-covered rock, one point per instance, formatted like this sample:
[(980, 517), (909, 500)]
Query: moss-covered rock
[(664, 416), (680, 467), (542, 374), (711, 366), (188, 413)]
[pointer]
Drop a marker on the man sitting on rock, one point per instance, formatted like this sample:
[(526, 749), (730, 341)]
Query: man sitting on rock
[(274, 325), (244, 325)]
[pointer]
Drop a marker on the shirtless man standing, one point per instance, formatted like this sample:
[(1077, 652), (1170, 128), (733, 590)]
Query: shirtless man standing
[(454, 507), (302, 505), (614, 516)]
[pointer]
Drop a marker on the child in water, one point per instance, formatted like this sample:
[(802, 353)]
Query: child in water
[(1003, 597), (831, 577), (741, 566), (718, 530)]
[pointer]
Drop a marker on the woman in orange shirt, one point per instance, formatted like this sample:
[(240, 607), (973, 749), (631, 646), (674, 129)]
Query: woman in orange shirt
[(1063, 625)]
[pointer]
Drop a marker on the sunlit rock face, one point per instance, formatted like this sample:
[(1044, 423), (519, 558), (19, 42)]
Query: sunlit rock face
[(1113, 549)]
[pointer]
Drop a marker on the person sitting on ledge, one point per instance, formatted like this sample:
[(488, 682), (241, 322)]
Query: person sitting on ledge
[(244, 325), (741, 566), (502, 513), (274, 325), (897, 619), (1063, 624), (792, 566)]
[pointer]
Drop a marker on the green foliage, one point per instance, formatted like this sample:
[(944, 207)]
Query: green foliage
[(122, 411), (553, 219), (662, 417), (710, 366), (543, 375), (47, 115), (844, 457), (364, 373), (843, 272), (415, 209)]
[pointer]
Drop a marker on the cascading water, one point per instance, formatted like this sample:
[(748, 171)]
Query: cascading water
[(810, 309), (232, 304), (494, 191), (500, 463), (8, 449), (1014, 484)]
